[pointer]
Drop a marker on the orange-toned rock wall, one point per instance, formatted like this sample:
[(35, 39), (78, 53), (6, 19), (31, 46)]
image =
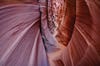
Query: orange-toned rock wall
[(83, 48)]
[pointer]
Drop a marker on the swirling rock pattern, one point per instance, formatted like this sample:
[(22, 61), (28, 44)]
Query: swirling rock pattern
[(83, 48), (26, 32), (25, 37)]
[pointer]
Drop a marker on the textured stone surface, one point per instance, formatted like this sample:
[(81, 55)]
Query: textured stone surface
[(77, 24), (83, 48)]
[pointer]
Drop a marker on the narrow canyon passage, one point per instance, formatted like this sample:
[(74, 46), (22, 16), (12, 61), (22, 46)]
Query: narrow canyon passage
[(80, 33), (49, 33)]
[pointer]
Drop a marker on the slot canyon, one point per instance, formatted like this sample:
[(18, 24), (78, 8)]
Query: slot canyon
[(49, 32)]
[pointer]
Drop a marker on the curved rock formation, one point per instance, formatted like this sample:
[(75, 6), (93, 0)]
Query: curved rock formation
[(83, 49), (74, 23)]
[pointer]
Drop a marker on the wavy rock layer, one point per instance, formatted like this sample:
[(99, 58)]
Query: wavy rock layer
[(83, 49), (77, 30), (25, 38)]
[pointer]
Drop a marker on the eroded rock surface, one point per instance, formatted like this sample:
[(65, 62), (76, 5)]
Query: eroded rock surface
[(83, 48)]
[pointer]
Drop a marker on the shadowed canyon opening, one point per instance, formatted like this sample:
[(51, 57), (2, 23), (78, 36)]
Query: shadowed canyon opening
[(49, 32)]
